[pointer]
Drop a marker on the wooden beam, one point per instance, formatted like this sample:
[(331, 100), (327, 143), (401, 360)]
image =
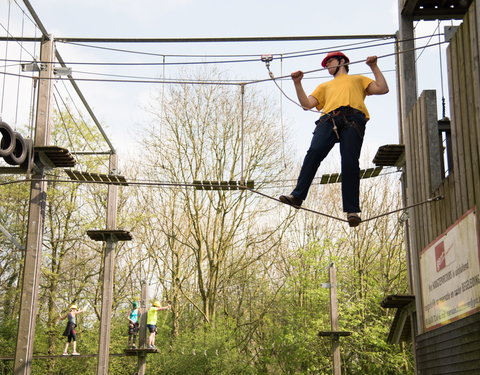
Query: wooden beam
[(108, 275), (38, 199)]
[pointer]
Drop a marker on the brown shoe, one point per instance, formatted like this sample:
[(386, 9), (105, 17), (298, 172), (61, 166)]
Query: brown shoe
[(291, 200), (353, 219)]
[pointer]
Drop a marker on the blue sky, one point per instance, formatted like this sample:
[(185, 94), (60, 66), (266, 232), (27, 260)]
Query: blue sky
[(118, 106)]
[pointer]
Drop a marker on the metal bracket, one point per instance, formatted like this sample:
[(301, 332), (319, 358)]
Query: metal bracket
[(449, 32), (266, 58)]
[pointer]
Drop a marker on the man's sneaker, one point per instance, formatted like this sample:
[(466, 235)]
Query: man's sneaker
[(353, 219), (152, 347), (75, 353), (64, 353), (290, 200)]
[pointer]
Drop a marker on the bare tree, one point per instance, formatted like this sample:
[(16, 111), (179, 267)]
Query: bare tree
[(215, 235)]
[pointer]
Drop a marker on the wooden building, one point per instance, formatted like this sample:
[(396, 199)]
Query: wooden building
[(441, 158)]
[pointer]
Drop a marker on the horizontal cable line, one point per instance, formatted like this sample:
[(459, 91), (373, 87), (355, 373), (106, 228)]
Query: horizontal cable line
[(239, 81), (151, 78), (173, 63), (350, 63), (202, 40), (154, 183), (290, 55), (225, 40), (163, 81), (181, 82), (178, 81), (215, 55), (9, 65)]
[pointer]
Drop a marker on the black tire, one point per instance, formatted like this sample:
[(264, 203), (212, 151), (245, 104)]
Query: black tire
[(19, 153), (7, 144)]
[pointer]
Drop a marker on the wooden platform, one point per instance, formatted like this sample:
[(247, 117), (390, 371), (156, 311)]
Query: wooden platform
[(54, 156), (337, 177), (401, 327), (435, 10), (137, 351), (334, 334), (47, 356), (390, 156), (222, 185), (110, 235), (113, 179)]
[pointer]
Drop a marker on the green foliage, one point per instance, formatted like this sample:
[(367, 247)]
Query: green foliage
[(8, 336), (247, 299), (205, 350)]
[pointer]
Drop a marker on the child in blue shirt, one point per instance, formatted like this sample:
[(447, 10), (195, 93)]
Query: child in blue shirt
[(133, 325)]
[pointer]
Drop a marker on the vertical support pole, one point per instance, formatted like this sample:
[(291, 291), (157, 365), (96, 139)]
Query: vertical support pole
[(399, 84), (108, 273), (406, 67), (407, 87), (38, 196), (142, 336), (337, 363), (242, 91), (407, 96)]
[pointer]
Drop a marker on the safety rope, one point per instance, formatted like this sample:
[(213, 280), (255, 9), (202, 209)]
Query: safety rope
[(429, 200), (350, 63), (298, 207), (241, 187)]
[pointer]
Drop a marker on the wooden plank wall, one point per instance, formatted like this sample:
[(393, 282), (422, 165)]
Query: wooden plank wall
[(418, 148), (461, 189), (452, 350)]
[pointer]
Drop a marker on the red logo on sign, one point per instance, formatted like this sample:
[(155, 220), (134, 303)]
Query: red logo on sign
[(440, 256)]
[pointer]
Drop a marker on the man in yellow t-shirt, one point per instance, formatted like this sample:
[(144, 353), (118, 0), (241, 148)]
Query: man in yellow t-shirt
[(341, 101), (152, 316)]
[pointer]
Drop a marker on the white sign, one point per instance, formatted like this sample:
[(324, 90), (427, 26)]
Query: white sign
[(450, 274)]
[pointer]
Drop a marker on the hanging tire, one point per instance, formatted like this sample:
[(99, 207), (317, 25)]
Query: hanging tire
[(7, 144), (19, 153)]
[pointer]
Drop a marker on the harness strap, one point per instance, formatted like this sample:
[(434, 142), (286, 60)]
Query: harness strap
[(332, 116), (335, 128)]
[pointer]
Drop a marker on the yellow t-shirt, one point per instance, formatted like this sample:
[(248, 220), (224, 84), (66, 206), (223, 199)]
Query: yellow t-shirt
[(152, 316), (344, 90)]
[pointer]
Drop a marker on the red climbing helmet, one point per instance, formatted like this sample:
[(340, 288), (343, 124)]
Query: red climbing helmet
[(334, 54)]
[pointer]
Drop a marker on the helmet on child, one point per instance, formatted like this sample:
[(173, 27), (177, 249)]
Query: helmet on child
[(73, 307), (135, 304), (156, 304), (337, 54)]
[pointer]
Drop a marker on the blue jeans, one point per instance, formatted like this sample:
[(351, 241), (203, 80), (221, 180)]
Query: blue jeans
[(351, 129)]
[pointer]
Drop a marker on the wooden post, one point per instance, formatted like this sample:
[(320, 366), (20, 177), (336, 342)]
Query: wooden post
[(406, 67), (337, 362), (407, 87), (108, 274), (38, 196), (142, 336)]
